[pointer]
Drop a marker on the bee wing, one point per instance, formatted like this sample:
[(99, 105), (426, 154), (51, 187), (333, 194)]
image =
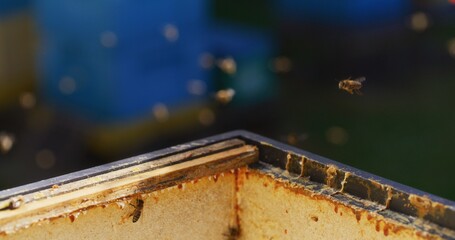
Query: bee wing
[(360, 79)]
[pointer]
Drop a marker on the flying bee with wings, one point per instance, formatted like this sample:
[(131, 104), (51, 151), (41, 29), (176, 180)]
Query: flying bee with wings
[(352, 85)]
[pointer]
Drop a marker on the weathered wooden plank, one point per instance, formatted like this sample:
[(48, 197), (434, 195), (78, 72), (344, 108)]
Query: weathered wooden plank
[(142, 178)]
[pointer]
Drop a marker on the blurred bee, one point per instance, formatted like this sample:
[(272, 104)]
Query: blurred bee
[(137, 209), (6, 142), (352, 85), (227, 65), (294, 138), (225, 96)]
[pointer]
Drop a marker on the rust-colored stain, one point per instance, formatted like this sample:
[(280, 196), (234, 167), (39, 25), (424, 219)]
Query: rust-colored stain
[(378, 226), (314, 218), (265, 184), (386, 230), (236, 179), (239, 181), (247, 174), (358, 216), (297, 189), (369, 217), (381, 225), (285, 231), (180, 186), (276, 187), (72, 217)]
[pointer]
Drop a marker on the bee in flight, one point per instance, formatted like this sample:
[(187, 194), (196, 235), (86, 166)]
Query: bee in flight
[(137, 210), (352, 85)]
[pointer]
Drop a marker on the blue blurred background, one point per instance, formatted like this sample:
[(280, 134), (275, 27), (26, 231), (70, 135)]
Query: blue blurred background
[(83, 83)]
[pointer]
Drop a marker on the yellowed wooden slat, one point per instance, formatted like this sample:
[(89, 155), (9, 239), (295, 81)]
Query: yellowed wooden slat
[(114, 185)]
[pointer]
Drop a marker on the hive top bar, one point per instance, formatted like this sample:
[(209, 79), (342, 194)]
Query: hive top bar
[(243, 147)]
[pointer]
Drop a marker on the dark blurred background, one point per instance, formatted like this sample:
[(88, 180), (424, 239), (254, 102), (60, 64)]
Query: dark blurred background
[(84, 83)]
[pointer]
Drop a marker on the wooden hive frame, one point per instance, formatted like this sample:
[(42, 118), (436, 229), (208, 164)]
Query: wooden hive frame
[(236, 185)]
